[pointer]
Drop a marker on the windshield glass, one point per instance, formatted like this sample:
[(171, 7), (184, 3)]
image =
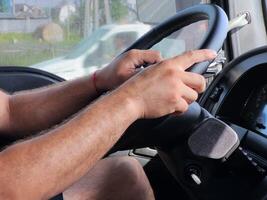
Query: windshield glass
[(83, 46), (72, 38), (180, 41)]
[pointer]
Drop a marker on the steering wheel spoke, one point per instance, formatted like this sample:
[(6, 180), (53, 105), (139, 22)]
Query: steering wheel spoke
[(241, 131)]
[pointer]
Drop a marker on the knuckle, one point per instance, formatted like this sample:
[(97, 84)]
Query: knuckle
[(200, 80), (132, 53), (180, 68), (202, 86), (190, 54), (184, 107), (195, 95), (158, 55), (174, 98), (208, 53), (170, 72), (179, 82), (166, 63)]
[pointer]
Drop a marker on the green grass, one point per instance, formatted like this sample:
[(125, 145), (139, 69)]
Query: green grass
[(19, 37), (10, 37), (21, 49), (72, 39), (24, 59)]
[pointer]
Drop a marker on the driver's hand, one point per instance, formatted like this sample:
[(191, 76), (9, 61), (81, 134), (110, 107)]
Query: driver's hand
[(125, 66), (166, 87)]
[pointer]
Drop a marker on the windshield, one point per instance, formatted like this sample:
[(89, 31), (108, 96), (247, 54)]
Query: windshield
[(72, 38), (83, 46)]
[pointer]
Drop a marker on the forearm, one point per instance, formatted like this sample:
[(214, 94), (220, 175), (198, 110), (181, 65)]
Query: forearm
[(33, 111), (39, 109), (52, 162)]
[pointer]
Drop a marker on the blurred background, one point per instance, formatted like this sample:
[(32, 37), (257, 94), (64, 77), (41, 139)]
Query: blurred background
[(72, 38)]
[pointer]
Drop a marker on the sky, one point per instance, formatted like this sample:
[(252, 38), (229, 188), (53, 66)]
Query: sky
[(42, 3)]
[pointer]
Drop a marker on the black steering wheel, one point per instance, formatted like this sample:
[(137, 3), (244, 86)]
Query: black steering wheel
[(194, 144), (214, 39)]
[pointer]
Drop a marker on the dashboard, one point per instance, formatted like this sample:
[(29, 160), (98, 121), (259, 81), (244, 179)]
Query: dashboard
[(238, 96), (246, 102), (254, 113)]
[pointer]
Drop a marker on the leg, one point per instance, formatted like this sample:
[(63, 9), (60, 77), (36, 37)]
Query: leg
[(118, 178)]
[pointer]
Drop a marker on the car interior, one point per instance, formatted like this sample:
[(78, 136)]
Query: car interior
[(218, 148)]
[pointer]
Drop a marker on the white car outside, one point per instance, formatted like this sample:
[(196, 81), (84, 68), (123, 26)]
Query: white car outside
[(95, 51)]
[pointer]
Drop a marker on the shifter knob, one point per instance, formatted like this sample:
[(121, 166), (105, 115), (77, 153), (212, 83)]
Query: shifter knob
[(213, 139)]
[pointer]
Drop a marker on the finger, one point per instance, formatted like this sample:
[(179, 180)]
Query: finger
[(151, 56), (142, 57), (189, 94), (137, 70), (141, 68), (191, 57), (195, 81), (182, 106)]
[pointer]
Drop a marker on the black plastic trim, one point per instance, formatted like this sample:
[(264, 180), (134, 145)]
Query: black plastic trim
[(13, 79), (264, 11), (231, 73), (227, 46), (22, 69)]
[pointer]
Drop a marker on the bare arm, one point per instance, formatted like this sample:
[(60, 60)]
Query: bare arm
[(46, 165), (43, 166), (29, 112)]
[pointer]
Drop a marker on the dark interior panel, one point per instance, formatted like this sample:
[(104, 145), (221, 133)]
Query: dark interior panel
[(14, 79), (245, 103)]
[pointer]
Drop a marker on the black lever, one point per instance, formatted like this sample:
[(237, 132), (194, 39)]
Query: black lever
[(213, 139)]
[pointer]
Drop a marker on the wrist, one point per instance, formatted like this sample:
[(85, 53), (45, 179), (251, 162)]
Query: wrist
[(133, 101), (97, 81)]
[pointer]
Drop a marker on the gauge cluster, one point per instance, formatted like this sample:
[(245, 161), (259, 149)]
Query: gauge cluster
[(254, 113), (238, 96), (245, 103)]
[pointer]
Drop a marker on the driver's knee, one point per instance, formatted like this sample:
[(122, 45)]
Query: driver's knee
[(132, 178), (117, 178)]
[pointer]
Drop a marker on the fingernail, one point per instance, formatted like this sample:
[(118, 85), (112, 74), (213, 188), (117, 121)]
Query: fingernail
[(214, 53)]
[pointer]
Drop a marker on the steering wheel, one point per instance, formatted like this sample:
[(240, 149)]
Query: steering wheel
[(214, 39), (192, 145)]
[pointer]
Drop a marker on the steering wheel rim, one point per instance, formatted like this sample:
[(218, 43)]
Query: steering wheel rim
[(178, 158), (215, 36), (218, 26)]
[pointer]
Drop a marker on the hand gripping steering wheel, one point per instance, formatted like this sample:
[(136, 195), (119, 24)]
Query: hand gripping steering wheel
[(196, 141), (215, 36)]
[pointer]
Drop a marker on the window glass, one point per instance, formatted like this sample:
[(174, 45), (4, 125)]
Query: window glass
[(72, 38), (109, 48), (181, 41)]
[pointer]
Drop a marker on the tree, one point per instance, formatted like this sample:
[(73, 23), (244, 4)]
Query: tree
[(5, 6), (107, 12), (118, 10), (96, 14), (86, 11)]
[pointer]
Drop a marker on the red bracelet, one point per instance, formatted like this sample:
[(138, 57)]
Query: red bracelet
[(94, 82)]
